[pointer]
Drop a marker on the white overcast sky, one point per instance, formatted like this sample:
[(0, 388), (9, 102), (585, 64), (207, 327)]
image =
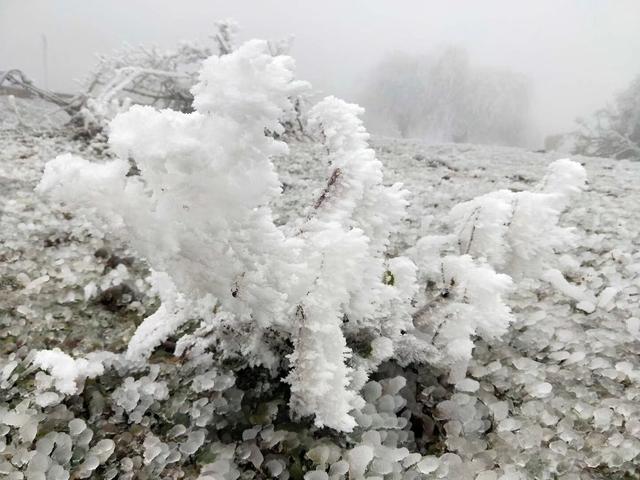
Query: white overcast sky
[(577, 53)]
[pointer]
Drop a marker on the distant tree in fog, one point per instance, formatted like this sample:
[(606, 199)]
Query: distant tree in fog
[(499, 107), (392, 92), (614, 130), (444, 98)]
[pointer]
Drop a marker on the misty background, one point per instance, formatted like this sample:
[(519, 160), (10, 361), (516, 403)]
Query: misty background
[(573, 56)]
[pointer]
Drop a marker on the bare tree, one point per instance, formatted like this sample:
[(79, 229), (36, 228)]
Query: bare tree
[(444, 98), (614, 131), (392, 91), (147, 76), (498, 111)]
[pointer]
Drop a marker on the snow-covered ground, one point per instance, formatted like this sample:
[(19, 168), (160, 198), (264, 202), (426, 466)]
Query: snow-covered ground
[(558, 395)]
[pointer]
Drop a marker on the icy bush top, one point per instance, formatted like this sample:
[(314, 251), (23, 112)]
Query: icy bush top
[(201, 201)]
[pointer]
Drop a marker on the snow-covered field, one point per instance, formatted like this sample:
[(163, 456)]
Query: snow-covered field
[(557, 397)]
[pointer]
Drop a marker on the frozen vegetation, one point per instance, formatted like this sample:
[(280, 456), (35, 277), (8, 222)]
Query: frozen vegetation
[(199, 299)]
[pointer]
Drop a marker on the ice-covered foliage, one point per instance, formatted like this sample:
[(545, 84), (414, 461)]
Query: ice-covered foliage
[(344, 240), (204, 223), (519, 232), (282, 314), (192, 221), (496, 238)]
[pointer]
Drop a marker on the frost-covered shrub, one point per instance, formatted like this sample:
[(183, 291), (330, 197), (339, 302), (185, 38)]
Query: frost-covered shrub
[(223, 252), (274, 324), (497, 239), (203, 222), (505, 227)]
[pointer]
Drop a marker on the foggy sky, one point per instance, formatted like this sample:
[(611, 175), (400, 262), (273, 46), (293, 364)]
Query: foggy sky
[(576, 53)]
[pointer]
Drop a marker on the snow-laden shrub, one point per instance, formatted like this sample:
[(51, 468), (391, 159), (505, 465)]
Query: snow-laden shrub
[(344, 241), (497, 238), (203, 222), (319, 302), (504, 227), (212, 189)]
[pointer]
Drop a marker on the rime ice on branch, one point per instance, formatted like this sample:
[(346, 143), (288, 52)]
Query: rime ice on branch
[(201, 210), (497, 236), (345, 240)]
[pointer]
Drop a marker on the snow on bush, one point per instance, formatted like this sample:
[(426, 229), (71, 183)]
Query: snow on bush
[(498, 237), (203, 222), (505, 227), (345, 238), (320, 302), (202, 213)]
